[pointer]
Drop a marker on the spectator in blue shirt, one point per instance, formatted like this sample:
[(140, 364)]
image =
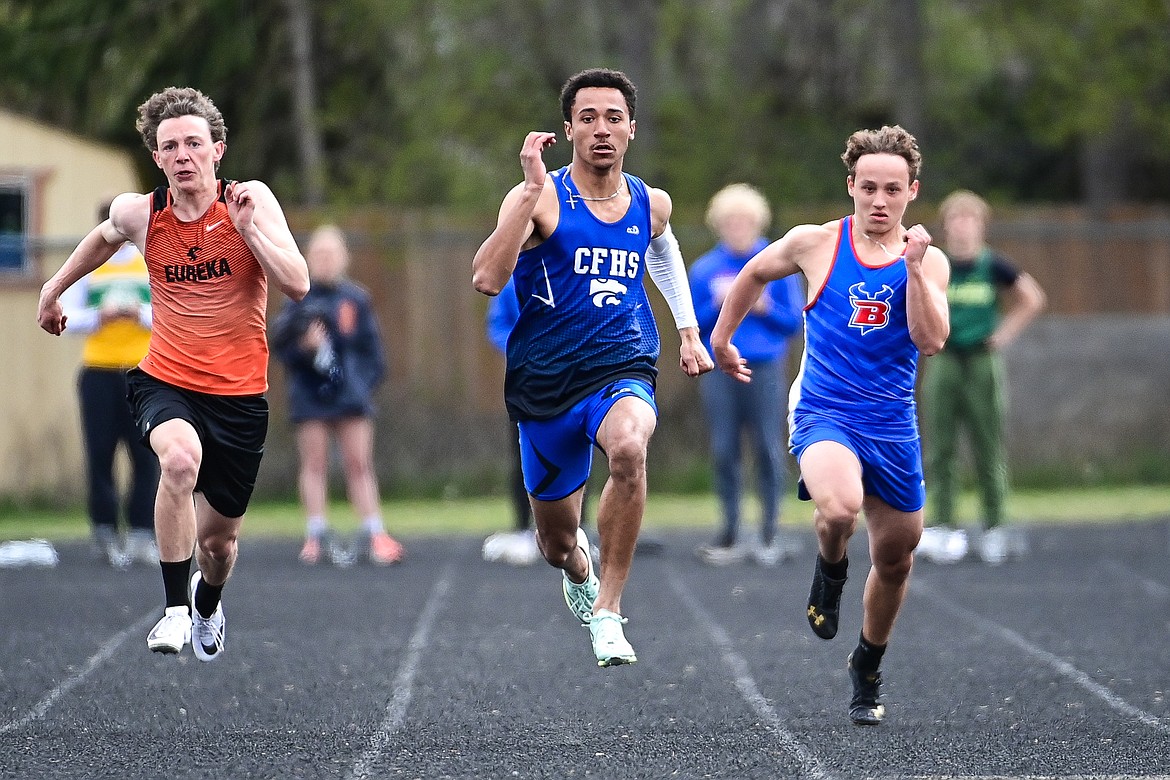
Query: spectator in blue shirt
[(739, 215)]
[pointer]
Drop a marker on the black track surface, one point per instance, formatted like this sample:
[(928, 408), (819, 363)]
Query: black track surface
[(449, 667)]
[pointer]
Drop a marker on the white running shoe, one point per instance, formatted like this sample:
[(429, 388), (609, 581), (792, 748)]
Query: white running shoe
[(516, 548), (170, 634), (206, 633), (943, 545), (609, 641), (993, 546), (141, 547), (580, 596)]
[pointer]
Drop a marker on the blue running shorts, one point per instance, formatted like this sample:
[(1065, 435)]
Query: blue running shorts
[(557, 454), (890, 470)]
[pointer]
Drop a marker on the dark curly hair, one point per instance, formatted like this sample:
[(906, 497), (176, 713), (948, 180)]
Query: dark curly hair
[(597, 77)]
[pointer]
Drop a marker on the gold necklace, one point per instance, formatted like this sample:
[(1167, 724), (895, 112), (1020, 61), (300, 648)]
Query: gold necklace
[(579, 196), (880, 245)]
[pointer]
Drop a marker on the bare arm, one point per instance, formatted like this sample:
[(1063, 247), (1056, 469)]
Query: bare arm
[(927, 274), (496, 258), (779, 259), (260, 220), (128, 216), (1024, 300)]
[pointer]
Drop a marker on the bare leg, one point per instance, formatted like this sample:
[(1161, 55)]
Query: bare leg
[(832, 475), (624, 437), (217, 549), (312, 478), (893, 535), (556, 534), (179, 455), (355, 437)]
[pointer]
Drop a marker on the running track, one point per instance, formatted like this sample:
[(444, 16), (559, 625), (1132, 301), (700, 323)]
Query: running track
[(449, 667)]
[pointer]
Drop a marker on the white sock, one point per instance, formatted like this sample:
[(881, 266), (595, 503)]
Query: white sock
[(373, 524), (316, 526)]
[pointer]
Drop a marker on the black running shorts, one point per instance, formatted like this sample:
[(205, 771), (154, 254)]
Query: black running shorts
[(231, 430)]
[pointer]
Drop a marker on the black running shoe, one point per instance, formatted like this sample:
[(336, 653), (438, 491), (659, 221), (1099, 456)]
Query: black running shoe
[(864, 709), (824, 603)]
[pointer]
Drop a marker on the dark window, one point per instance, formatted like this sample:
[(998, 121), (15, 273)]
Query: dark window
[(14, 255)]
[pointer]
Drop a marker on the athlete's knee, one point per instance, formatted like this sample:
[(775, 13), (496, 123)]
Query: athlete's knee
[(893, 556), (837, 515), (627, 458), (179, 467), (219, 545), (557, 548)]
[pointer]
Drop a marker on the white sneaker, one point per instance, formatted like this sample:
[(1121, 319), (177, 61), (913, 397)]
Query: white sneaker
[(943, 545), (141, 548), (993, 546), (522, 549), (720, 555), (170, 634), (206, 633), (609, 641), (783, 547), (579, 596), (516, 548)]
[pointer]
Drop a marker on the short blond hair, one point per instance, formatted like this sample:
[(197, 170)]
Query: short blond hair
[(964, 202), (739, 199)]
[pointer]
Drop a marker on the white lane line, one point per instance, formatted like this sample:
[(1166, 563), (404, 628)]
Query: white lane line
[(1151, 587), (746, 684), (404, 681), (97, 659), (1056, 662)]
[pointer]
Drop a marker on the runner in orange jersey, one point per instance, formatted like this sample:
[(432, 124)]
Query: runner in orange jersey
[(211, 247)]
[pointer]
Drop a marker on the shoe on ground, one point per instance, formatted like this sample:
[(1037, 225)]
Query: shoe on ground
[(864, 707), (993, 546), (609, 641), (824, 603), (717, 554), (206, 633), (141, 547), (943, 545), (384, 549), (310, 553), (783, 547), (516, 548), (109, 547), (580, 596), (172, 632)]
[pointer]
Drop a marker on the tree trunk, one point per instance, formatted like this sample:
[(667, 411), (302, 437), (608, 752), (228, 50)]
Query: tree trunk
[(304, 94)]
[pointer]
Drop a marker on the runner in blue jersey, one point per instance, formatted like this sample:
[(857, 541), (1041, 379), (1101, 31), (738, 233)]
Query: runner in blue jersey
[(876, 300), (581, 357)]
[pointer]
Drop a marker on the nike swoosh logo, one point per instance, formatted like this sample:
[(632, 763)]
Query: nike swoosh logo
[(214, 225)]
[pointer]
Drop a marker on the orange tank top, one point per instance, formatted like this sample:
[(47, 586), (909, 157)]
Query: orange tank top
[(210, 296)]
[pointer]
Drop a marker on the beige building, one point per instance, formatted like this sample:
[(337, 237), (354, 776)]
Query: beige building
[(52, 184)]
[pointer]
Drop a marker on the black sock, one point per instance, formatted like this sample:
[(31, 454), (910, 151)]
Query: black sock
[(176, 578), (835, 571), (867, 657), (207, 597)]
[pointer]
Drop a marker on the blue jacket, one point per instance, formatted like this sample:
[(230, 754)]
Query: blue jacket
[(343, 386), (761, 337)]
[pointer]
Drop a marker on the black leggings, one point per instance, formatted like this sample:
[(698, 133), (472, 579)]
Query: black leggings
[(105, 421)]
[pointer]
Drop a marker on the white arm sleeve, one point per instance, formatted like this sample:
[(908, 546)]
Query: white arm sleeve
[(664, 263)]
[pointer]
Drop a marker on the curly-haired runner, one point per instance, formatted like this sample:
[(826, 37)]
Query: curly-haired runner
[(211, 246)]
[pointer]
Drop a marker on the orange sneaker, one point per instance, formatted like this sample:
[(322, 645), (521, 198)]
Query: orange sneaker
[(385, 549), (311, 551)]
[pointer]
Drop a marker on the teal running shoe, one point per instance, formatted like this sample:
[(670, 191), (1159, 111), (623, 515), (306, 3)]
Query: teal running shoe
[(580, 596), (609, 641)]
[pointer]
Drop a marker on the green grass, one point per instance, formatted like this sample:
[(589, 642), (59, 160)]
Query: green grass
[(665, 511)]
